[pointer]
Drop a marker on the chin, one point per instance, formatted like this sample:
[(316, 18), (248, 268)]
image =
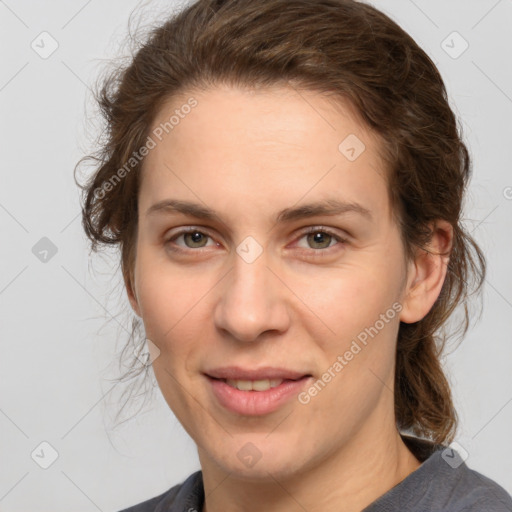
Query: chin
[(264, 471), (258, 460)]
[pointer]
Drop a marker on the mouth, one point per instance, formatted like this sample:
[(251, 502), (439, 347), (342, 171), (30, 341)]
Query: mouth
[(255, 392), (254, 374), (257, 385)]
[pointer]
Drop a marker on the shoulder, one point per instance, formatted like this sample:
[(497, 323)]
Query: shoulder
[(474, 492), (183, 496), (455, 486), (468, 487), (445, 483)]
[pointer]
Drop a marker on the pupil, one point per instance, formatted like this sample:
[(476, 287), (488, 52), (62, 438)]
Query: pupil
[(320, 238), (195, 237)]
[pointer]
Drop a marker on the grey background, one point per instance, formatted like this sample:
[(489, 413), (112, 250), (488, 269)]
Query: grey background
[(61, 326)]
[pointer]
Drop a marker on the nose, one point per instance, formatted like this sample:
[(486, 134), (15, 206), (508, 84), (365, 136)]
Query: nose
[(252, 301)]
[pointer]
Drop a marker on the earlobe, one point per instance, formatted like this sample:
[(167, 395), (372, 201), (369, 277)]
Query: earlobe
[(426, 274)]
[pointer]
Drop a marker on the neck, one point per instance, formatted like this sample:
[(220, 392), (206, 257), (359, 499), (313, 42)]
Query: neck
[(347, 481)]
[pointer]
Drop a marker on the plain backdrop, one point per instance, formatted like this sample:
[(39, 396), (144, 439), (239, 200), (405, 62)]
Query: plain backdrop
[(61, 322)]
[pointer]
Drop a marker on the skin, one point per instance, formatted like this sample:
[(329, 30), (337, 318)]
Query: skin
[(247, 155)]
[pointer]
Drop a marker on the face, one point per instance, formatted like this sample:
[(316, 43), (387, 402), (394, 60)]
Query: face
[(266, 251)]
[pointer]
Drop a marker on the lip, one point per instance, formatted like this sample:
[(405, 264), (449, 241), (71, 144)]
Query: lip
[(255, 403), (266, 372)]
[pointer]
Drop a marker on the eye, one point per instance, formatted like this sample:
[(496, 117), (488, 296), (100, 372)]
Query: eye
[(315, 239), (318, 238), (192, 238)]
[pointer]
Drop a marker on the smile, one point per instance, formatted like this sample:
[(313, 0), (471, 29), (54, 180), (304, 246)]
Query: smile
[(254, 385), (255, 397)]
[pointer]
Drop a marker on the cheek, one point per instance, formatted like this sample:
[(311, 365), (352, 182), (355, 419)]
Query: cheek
[(351, 298), (358, 304), (358, 352), (162, 298), (174, 305)]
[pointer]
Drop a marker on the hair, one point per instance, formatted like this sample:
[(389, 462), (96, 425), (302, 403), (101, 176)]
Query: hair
[(357, 54)]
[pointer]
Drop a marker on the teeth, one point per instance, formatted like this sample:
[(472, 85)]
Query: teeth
[(254, 385)]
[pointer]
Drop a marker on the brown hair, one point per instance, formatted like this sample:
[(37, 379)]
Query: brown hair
[(356, 53)]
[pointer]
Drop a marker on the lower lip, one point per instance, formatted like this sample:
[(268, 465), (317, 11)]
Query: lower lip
[(256, 403)]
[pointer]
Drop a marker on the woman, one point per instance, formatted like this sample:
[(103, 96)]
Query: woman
[(284, 179)]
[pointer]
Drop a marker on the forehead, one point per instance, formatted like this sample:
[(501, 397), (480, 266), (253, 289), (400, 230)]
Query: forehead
[(267, 146)]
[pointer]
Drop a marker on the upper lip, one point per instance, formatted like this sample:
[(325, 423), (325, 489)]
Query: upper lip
[(266, 372)]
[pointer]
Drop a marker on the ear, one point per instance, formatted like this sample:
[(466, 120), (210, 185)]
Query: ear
[(426, 274)]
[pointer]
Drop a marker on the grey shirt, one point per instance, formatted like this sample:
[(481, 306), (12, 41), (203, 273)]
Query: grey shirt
[(443, 483)]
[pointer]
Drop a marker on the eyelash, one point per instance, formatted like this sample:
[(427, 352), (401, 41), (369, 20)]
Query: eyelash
[(308, 231)]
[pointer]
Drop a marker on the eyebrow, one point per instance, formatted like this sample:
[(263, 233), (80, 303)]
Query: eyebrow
[(327, 207)]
